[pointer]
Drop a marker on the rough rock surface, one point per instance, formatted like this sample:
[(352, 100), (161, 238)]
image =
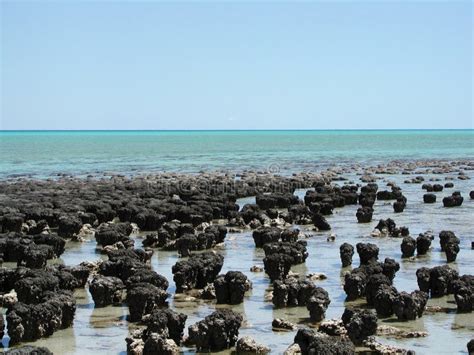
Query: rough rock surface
[(216, 332)]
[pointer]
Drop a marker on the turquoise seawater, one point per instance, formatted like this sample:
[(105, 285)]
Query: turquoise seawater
[(43, 154)]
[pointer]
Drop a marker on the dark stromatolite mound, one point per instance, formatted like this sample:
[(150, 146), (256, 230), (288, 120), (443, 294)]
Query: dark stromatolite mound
[(320, 222), (166, 322), (279, 257), (251, 212), (360, 324), (385, 195), (157, 344), (297, 214), (264, 235), (311, 342), (31, 285), (69, 225), (318, 304), (29, 350), (292, 292), (384, 299), (367, 199), (389, 268), (32, 251), (408, 247), (463, 289), (455, 200), (409, 306), (183, 238), (470, 347), (364, 214), (429, 198), (167, 235), (106, 290), (143, 298), (355, 282), (28, 322), (374, 282), (111, 233), (11, 222), (297, 250), (423, 243), (197, 271), (185, 244), (437, 280), (449, 244), (162, 335), (444, 236), (389, 227), (231, 287), (277, 265), (276, 200), (368, 252), (400, 204), (346, 251), (218, 331), (130, 266)]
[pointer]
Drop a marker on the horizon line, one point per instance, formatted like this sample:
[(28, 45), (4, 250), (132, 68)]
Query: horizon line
[(238, 130)]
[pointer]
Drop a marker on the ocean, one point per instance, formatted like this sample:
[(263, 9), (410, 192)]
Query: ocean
[(45, 154)]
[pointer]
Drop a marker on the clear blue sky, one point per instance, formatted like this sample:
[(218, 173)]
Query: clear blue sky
[(317, 65)]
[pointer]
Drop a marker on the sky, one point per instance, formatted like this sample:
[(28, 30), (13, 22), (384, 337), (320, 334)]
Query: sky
[(242, 65)]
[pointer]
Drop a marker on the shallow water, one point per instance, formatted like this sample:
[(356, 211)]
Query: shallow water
[(103, 330), (48, 153)]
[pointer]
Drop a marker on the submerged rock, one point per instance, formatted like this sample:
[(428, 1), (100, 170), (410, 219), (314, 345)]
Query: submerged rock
[(408, 247), (197, 271), (384, 300), (454, 200), (437, 280), (360, 324), (166, 322), (429, 198), (410, 306), (216, 332), (346, 251), (368, 252), (449, 244), (231, 287), (364, 214), (423, 243), (292, 292), (28, 322), (470, 347), (106, 290), (143, 298), (318, 304)]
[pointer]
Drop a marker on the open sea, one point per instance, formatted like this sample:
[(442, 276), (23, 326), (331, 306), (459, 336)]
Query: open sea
[(45, 154)]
